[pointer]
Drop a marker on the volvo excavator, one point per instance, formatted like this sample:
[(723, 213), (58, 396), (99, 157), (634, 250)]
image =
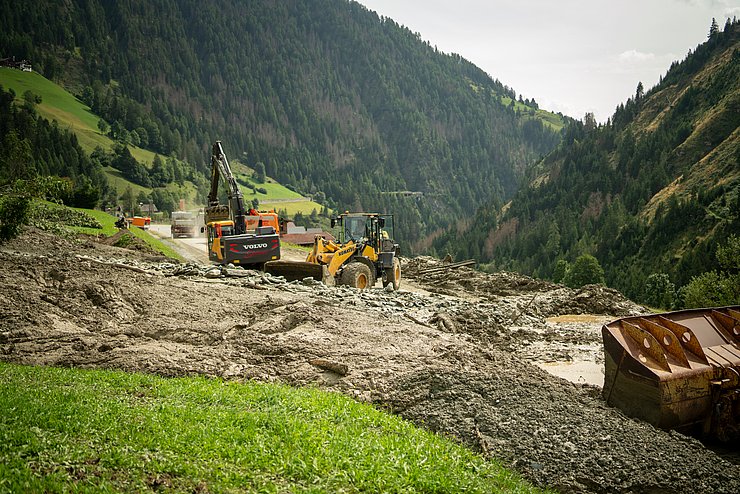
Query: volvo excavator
[(234, 235), (364, 254)]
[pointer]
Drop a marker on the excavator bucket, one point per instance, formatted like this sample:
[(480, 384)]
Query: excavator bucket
[(677, 370), (297, 270)]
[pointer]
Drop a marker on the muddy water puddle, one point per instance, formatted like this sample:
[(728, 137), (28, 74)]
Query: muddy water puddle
[(572, 348), (576, 372)]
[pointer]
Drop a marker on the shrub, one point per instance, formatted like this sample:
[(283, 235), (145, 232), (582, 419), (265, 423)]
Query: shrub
[(124, 240), (585, 271), (50, 188), (659, 291), (40, 214), (13, 215), (711, 289), (716, 288)]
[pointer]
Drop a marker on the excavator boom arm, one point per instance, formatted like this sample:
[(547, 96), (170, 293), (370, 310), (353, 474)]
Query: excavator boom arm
[(220, 168)]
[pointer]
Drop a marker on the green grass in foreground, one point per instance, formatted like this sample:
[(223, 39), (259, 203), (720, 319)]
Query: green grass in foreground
[(99, 431)]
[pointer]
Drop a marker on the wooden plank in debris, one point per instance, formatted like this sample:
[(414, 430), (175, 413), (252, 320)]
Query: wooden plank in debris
[(454, 265), (334, 367), (116, 264)]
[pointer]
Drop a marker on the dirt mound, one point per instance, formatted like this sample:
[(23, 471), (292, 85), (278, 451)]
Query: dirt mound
[(540, 298), (127, 240), (455, 364), (555, 433)]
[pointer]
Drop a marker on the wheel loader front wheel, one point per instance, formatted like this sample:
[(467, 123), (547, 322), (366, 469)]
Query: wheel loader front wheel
[(393, 275), (357, 275)]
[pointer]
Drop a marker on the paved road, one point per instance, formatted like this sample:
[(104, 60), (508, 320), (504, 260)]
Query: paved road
[(192, 249)]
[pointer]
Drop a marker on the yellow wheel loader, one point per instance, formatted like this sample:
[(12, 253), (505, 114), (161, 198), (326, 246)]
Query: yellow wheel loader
[(365, 253)]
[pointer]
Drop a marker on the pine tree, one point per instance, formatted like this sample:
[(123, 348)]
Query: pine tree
[(713, 29), (589, 121), (259, 170), (640, 92), (16, 159)]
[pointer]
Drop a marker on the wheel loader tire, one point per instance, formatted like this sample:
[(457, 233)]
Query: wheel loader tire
[(393, 275), (357, 275)]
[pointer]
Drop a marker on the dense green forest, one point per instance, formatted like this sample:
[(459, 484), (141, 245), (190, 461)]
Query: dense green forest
[(33, 146), (653, 194), (327, 95)]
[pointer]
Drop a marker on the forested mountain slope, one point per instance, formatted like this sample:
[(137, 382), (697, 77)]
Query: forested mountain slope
[(654, 190), (329, 96)]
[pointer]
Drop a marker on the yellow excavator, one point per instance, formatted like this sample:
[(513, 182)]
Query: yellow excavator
[(364, 253)]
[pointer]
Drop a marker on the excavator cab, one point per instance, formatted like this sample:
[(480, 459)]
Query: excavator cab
[(216, 231)]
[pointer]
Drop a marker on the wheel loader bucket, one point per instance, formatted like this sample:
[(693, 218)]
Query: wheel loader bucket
[(677, 370), (297, 270)]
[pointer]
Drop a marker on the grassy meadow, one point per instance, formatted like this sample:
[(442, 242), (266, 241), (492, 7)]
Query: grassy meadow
[(71, 113), (68, 430)]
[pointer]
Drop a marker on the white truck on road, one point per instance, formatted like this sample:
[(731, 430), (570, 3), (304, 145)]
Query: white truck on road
[(182, 224)]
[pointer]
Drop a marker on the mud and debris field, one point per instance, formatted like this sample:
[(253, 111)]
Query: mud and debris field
[(456, 351)]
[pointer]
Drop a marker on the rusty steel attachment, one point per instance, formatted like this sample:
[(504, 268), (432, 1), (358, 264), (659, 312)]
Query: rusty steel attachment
[(677, 370)]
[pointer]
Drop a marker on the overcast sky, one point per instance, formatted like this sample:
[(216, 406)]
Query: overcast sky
[(572, 56)]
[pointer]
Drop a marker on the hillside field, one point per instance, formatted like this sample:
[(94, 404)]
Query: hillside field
[(71, 113)]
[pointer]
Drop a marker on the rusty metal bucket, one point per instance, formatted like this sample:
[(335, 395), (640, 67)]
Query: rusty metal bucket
[(677, 370)]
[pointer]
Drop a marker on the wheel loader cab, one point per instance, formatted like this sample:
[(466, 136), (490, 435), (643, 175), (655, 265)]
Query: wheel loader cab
[(357, 228), (387, 244)]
